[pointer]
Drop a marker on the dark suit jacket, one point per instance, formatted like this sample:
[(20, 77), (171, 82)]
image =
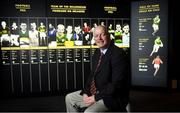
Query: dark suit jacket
[(112, 79)]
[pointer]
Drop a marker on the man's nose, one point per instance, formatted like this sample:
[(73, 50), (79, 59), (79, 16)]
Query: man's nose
[(99, 36)]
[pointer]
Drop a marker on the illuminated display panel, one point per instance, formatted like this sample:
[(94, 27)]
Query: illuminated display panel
[(149, 43), (57, 32), (44, 39), (67, 8)]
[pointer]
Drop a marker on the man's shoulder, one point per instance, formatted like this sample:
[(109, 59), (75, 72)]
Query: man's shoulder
[(116, 49), (121, 52)]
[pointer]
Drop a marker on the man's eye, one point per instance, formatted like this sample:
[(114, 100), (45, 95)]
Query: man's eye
[(103, 34), (95, 36)]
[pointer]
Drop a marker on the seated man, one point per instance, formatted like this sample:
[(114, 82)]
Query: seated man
[(107, 88)]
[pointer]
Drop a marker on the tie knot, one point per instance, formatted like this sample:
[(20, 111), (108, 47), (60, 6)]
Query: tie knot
[(102, 53)]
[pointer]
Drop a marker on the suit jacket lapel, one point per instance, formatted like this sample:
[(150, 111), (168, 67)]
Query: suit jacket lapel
[(104, 59), (95, 62), (102, 63)]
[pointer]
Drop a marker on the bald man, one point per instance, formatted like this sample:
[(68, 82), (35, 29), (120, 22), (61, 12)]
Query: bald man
[(110, 78)]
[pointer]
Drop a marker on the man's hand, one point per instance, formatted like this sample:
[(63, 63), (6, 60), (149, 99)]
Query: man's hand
[(88, 100)]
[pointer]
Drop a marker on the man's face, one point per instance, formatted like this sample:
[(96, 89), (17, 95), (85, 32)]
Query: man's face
[(126, 29), (23, 26), (77, 30), (60, 28), (69, 29), (118, 27), (3, 24), (102, 39)]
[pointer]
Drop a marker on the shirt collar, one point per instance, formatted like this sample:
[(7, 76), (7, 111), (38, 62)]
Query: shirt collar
[(103, 51)]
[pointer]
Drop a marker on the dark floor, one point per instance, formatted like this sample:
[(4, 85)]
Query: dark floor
[(145, 101)]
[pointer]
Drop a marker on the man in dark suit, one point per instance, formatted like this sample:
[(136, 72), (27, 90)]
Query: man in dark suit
[(107, 88)]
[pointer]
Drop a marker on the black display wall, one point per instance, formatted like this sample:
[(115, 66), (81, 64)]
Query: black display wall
[(66, 8), (174, 43), (44, 67), (49, 54), (23, 8), (35, 59)]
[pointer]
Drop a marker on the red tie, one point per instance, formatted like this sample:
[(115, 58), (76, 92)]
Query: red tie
[(93, 87)]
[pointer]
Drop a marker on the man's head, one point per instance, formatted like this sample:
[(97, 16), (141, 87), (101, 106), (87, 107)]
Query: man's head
[(23, 26), (69, 29), (3, 24), (101, 37), (77, 29), (126, 28), (60, 28)]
